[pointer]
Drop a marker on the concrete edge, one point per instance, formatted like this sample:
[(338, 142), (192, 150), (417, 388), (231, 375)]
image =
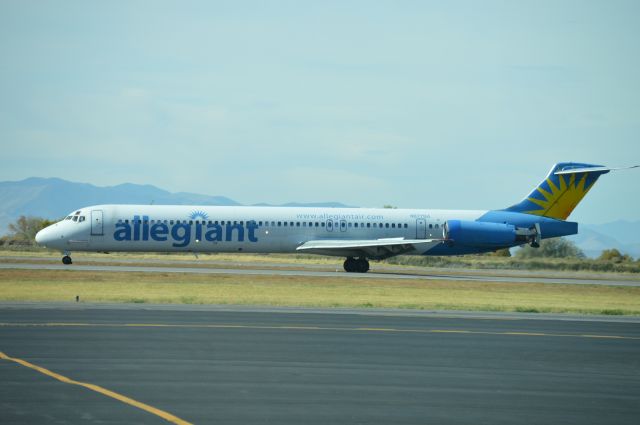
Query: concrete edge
[(442, 314)]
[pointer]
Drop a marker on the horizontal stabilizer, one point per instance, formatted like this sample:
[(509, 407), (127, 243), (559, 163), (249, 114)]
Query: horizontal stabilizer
[(371, 248), (593, 169)]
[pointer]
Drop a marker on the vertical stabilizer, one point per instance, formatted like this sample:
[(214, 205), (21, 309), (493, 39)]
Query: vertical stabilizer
[(561, 191)]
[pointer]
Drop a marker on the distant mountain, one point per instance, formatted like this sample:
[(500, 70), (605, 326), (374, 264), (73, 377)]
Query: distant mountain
[(309, 205), (623, 235), (53, 198), (627, 232)]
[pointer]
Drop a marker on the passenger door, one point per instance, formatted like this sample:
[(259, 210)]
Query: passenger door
[(97, 227), (421, 228)]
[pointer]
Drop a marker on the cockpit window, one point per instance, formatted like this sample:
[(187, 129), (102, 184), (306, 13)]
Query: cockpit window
[(75, 218), (81, 219), (68, 217)]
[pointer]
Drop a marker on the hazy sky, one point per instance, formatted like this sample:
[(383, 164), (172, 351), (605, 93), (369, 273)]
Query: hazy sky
[(425, 104)]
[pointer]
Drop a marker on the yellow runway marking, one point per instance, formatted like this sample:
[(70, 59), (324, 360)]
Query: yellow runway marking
[(314, 328), (161, 413)]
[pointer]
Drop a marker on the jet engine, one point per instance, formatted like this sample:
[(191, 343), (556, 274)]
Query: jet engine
[(488, 235)]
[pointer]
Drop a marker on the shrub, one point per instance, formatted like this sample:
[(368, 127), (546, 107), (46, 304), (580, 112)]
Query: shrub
[(551, 248)]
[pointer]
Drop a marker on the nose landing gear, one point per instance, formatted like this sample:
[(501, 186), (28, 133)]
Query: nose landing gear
[(66, 259), (353, 265)]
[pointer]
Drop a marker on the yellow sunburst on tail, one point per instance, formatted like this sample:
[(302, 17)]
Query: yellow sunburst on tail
[(561, 191), (562, 198)]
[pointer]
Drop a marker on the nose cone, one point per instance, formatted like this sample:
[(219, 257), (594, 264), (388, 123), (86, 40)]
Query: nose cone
[(45, 236)]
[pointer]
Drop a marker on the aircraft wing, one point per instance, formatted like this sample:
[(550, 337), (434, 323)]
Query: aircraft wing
[(377, 249)]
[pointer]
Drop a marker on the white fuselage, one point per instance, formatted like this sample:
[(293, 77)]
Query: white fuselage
[(160, 228)]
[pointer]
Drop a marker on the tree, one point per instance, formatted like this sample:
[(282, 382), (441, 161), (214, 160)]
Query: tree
[(551, 248), (614, 255), (501, 253), (25, 228)]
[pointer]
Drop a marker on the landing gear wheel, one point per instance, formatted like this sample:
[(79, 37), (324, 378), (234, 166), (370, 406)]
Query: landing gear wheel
[(66, 260), (362, 265), (350, 265)]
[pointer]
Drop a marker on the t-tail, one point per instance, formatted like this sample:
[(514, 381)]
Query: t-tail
[(562, 190)]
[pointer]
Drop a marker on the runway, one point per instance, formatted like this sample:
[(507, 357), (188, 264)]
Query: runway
[(253, 366), (304, 270)]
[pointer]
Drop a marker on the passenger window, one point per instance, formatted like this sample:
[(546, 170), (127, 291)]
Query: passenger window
[(279, 223), (368, 225), (436, 225), (430, 226), (297, 224), (393, 225), (386, 225), (406, 225)]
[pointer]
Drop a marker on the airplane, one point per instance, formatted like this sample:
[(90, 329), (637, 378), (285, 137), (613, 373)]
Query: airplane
[(358, 234)]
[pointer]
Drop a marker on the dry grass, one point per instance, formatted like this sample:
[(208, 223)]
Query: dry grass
[(181, 288), (231, 258), (565, 266)]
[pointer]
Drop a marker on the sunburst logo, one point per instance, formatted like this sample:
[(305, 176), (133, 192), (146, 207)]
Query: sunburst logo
[(199, 214), (560, 195)]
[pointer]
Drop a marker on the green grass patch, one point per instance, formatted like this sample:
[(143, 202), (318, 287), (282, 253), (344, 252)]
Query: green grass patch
[(183, 288), (612, 312), (515, 263), (527, 310)]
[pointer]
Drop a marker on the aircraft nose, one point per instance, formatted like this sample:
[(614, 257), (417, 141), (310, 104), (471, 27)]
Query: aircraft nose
[(40, 237), (44, 236)]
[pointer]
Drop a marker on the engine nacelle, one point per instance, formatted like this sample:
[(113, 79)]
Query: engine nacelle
[(480, 234)]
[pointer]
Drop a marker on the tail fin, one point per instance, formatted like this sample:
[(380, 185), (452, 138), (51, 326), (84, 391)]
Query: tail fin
[(562, 190)]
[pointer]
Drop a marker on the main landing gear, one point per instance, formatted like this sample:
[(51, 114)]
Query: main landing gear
[(66, 259), (356, 265)]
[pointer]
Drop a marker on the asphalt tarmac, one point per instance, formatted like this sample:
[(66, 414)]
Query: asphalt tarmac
[(258, 366), (309, 272)]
